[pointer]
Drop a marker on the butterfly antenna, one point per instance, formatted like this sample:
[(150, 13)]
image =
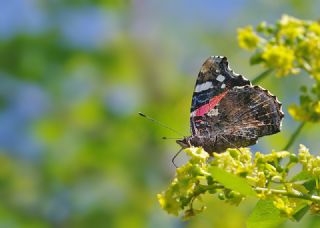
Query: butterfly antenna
[(165, 138), (159, 123)]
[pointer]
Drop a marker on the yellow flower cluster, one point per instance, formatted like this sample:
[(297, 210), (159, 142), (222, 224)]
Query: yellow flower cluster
[(185, 187), (234, 161), (260, 173), (290, 28), (288, 47), (285, 205), (279, 57), (310, 163), (247, 38)]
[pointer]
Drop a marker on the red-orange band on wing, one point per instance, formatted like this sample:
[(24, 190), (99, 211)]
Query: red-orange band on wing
[(212, 103)]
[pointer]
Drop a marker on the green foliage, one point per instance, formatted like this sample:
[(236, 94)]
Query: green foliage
[(231, 181), (289, 47), (84, 159), (236, 174), (186, 187), (309, 109), (265, 215), (286, 48)]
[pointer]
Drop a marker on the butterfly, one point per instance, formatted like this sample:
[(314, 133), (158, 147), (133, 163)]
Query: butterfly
[(227, 111)]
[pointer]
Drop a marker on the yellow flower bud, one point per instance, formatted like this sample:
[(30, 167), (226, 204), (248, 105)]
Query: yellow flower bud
[(247, 38), (315, 27), (317, 107), (279, 57)]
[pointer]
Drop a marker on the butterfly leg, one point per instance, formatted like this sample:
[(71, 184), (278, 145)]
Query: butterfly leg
[(230, 143), (175, 156)]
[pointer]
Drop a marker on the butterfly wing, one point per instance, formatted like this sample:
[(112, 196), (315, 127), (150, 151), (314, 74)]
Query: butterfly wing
[(243, 115), (214, 79), (230, 112)]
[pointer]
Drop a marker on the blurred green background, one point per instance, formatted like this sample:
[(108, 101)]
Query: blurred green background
[(74, 74)]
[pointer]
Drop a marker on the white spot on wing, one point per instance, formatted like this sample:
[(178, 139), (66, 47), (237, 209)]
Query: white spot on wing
[(203, 86), (220, 78), (223, 86), (213, 112)]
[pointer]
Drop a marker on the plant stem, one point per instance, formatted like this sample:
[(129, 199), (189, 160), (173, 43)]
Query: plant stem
[(295, 194), (261, 76), (294, 136)]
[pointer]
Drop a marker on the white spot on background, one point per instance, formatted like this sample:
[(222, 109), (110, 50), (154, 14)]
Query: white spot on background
[(220, 78)]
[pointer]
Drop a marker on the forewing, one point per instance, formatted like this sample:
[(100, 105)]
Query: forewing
[(214, 80)]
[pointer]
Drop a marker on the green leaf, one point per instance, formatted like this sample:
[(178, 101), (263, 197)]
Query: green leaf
[(232, 181), (301, 188), (256, 58), (303, 175), (265, 215), (305, 99), (310, 185), (300, 213), (303, 89)]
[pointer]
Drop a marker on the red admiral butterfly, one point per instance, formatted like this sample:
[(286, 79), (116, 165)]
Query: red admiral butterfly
[(227, 111)]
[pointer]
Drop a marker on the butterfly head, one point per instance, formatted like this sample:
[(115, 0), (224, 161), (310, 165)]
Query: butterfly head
[(184, 143)]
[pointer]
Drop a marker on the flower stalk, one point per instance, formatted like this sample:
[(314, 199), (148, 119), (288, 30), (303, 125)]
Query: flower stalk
[(294, 136), (295, 194), (262, 76)]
